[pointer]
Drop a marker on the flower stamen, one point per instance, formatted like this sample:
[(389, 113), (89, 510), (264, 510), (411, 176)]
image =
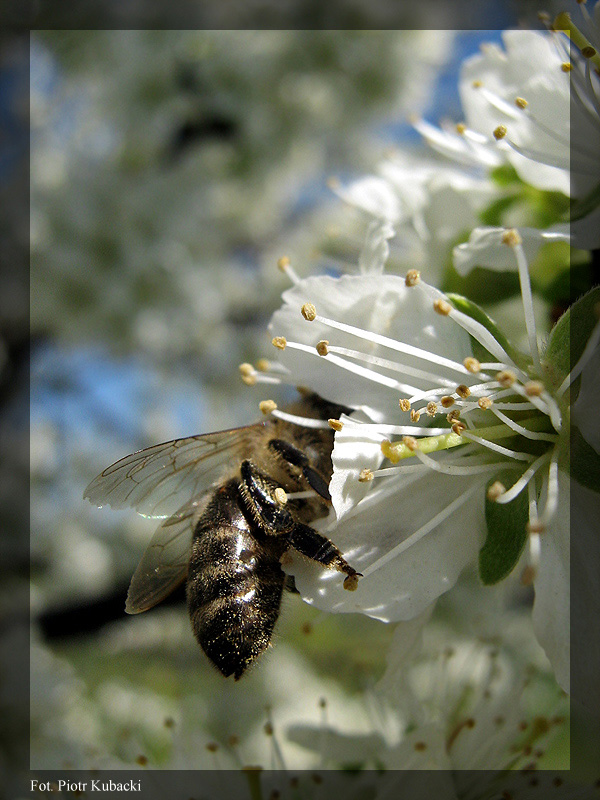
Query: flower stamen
[(392, 344), (475, 329), (552, 491), (519, 485), (514, 241), (497, 448), (286, 267), (528, 434), (453, 469)]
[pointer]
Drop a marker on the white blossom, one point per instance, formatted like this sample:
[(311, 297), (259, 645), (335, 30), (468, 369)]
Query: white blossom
[(429, 204), (464, 711), (534, 105), (410, 510)]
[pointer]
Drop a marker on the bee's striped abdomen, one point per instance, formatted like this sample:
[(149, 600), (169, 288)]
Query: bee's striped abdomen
[(234, 583)]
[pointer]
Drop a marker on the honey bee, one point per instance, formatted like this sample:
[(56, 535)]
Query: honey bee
[(228, 523)]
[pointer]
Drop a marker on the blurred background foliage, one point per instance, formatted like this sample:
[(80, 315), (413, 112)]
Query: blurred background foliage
[(169, 171)]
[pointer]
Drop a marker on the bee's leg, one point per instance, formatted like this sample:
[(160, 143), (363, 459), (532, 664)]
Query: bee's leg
[(297, 458), (319, 548), (259, 494)]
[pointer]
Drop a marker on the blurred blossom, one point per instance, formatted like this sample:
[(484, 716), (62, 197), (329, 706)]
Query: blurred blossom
[(160, 156), (470, 710), (534, 105), (110, 721)]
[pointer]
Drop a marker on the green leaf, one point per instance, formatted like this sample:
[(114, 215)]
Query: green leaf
[(505, 175), (478, 314), (585, 462), (570, 335), (506, 534)]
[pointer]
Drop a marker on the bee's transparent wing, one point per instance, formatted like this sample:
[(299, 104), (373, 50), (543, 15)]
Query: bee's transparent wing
[(164, 565), (158, 480)]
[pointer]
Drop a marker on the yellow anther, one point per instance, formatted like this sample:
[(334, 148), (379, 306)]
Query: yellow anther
[(485, 403), (267, 406), (442, 307), (283, 263), (404, 404), (322, 348), (477, 84), (534, 388), (472, 364), (365, 475), (520, 102), (309, 312), (500, 132), (511, 238), (351, 582), (335, 424), (263, 365), (458, 427), (413, 276), (506, 378), (461, 128), (447, 401), (452, 416), (566, 66), (248, 374), (415, 416), (279, 342), (280, 496), (496, 490), (431, 409), (463, 391)]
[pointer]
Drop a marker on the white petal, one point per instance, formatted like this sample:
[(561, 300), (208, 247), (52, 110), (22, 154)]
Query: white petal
[(373, 195), (376, 249), (551, 609), (457, 148), (485, 248), (406, 584), (406, 643), (354, 450)]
